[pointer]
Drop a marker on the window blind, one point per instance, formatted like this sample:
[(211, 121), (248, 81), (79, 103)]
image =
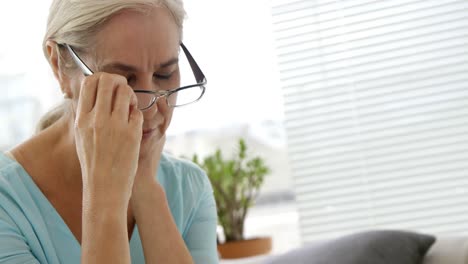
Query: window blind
[(376, 101)]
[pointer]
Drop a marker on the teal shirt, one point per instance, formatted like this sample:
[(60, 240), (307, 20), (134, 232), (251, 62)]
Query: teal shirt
[(32, 231)]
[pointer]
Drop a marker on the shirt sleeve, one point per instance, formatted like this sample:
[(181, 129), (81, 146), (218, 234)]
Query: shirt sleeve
[(200, 237), (13, 246)]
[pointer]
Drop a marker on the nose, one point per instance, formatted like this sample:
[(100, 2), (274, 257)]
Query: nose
[(145, 83), (156, 105)]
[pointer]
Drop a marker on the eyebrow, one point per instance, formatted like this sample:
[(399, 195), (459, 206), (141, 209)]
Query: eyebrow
[(129, 68)]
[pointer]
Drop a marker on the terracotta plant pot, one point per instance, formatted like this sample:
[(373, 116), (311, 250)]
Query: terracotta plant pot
[(245, 248)]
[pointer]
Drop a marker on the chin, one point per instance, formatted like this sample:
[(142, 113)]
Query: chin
[(148, 141), (145, 150)]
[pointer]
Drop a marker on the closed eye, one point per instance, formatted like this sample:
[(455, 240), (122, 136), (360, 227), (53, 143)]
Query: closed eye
[(163, 76)]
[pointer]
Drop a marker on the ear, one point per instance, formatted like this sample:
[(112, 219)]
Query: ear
[(54, 57)]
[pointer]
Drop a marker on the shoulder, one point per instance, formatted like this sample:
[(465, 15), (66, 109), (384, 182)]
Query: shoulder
[(10, 187), (19, 197), (187, 188), (168, 160), (183, 172), (24, 234), (15, 187), (16, 199), (10, 178), (6, 164)]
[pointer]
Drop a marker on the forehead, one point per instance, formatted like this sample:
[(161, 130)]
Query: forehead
[(139, 37)]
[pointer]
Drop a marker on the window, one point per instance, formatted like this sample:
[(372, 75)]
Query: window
[(376, 105)]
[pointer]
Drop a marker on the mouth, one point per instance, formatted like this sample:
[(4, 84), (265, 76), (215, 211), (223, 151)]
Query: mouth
[(147, 133)]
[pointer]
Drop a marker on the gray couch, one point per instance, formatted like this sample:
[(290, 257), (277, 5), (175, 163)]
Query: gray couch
[(445, 250)]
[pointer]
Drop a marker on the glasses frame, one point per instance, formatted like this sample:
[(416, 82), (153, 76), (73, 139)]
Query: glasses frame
[(199, 77)]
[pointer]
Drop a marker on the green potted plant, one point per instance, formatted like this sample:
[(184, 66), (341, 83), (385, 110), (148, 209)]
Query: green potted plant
[(236, 183)]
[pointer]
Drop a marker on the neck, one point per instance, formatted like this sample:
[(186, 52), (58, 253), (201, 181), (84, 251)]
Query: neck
[(65, 150), (53, 151)]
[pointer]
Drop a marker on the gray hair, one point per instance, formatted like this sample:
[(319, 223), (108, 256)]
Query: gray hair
[(76, 22)]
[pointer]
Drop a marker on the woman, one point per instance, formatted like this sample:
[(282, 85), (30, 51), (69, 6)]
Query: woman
[(93, 184)]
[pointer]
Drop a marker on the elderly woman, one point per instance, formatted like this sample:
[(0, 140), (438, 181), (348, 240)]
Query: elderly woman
[(93, 185)]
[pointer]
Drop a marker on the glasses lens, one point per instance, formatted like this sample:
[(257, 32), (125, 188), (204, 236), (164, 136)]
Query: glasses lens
[(144, 99), (186, 96)]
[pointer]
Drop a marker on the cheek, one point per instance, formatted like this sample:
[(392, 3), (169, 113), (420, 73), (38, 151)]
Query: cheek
[(166, 116), (161, 115), (166, 113), (75, 84), (75, 88)]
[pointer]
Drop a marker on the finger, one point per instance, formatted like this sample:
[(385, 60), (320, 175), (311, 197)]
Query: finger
[(133, 107), (87, 97), (136, 119), (134, 101), (123, 102), (105, 92)]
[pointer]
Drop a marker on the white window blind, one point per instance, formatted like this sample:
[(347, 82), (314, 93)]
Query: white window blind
[(376, 101)]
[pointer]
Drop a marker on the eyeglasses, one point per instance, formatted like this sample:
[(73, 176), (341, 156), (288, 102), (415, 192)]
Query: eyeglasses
[(177, 97)]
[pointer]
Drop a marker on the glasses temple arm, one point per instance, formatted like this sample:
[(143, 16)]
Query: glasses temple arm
[(79, 62), (200, 77)]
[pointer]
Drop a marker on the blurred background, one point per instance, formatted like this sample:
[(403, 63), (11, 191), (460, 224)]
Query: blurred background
[(359, 107)]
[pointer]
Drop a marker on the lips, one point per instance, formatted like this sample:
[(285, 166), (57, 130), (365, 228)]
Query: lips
[(147, 133)]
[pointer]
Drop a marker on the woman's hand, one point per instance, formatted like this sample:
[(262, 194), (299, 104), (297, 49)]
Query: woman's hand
[(146, 172), (108, 130), (160, 238)]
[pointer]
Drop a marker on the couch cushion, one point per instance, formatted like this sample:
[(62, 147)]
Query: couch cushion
[(373, 247), (448, 250)]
